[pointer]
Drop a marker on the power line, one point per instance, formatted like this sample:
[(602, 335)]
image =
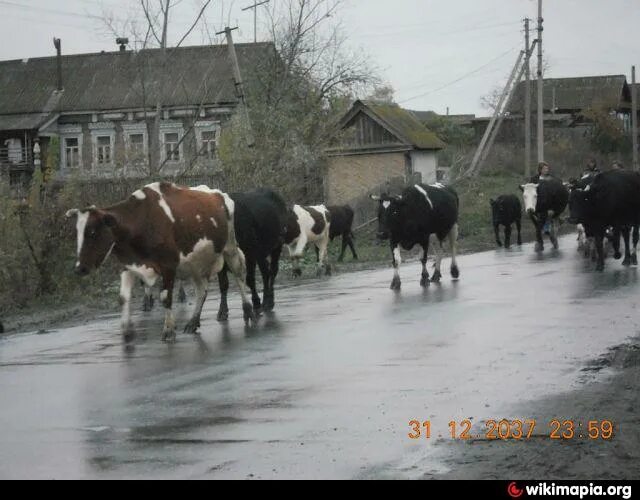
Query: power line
[(48, 11), (419, 27), (472, 72)]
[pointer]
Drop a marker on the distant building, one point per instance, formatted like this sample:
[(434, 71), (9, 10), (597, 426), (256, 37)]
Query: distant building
[(378, 142), (101, 119)]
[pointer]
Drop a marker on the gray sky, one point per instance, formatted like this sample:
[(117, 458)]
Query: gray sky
[(435, 53)]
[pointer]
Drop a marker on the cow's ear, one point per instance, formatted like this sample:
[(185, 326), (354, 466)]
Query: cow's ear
[(374, 197), (108, 219), (521, 186), (492, 201), (72, 213)]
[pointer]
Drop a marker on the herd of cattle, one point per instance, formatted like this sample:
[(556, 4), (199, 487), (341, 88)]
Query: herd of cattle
[(163, 233)]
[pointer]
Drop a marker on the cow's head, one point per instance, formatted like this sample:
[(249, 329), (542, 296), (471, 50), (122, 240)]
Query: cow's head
[(95, 237), (579, 204), (389, 213), (530, 196)]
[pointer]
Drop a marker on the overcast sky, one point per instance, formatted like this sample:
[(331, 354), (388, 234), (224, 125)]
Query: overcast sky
[(434, 53)]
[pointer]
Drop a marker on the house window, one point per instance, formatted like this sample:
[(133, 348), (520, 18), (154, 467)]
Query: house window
[(136, 147), (72, 152), (171, 147), (209, 144), (103, 150)]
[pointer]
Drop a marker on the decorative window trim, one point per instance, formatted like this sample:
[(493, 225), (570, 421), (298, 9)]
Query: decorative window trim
[(63, 147), (102, 132), (206, 126), (172, 128), (137, 130)]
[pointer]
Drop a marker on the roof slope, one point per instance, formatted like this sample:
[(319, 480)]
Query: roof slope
[(402, 123), (577, 93), (113, 80)]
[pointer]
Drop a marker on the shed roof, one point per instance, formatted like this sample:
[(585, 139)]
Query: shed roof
[(577, 93)]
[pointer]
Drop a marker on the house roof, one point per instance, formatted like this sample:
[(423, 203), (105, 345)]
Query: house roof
[(577, 94), (400, 122), (112, 80)]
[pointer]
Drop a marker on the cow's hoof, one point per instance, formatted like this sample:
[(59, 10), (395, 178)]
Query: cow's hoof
[(600, 267), (455, 272), (539, 247), (626, 261), (424, 280), (519, 243), (192, 327), (147, 303), (617, 255), (128, 334), (507, 247), (297, 273), (395, 283), (327, 271), (169, 336), (499, 243), (182, 296), (634, 260), (223, 316), (249, 314), (436, 277), (554, 242)]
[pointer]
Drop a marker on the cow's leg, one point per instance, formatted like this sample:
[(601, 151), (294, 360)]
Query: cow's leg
[(437, 248), (263, 264), (127, 282), (616, 243), (507, 235), (201, 295), (496, 230), (538, 227), (453, 246), (251, 283), (223, 281), (599, 237), (323, 244), (519, 228), (147, 303), (397, 260), (269, 299), (351, 245), (343, 240), (296, 254), (424, 278), (627, 254), (553, 232), (182, 295), (166, 296), (634, 245), (234, 258)]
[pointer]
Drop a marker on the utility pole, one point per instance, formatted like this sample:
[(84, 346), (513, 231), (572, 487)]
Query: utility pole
[(634, 118), (489, 129), (255, 17), (540, 130), (527, 102), (237, 78)]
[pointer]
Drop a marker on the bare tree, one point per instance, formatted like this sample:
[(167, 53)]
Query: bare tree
[(296, 98)]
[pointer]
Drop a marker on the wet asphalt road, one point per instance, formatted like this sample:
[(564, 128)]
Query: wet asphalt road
[(325, 388)]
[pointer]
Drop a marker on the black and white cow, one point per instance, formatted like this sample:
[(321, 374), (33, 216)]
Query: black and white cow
[(545, 201), (341, 225), (411, 218), (160, 233), (308, 225), (506, 210), (612, 199), (259, 223)]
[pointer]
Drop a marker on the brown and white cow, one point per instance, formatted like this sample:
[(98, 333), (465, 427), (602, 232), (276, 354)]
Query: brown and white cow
[(163, 231), (308, 225)]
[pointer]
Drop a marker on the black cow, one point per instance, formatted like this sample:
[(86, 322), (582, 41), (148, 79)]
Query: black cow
[(612, 199), (506, 210), (341, 225), (411, 218), (259, 223), (544, 202)]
